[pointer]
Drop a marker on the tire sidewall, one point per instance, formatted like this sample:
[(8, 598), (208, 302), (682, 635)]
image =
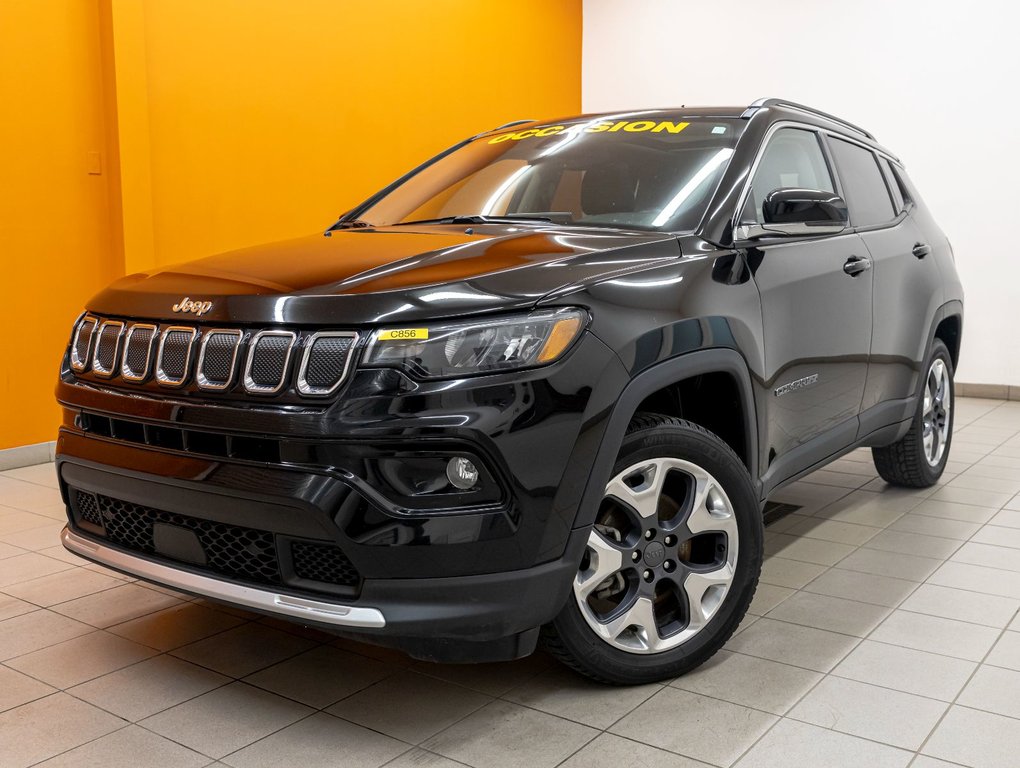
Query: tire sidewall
[(714, 456)]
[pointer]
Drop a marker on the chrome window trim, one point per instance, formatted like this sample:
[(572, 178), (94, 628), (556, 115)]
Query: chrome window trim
[(125, 371), (77, 364), (260, 389), (97, 369), (161, 376), (772, 131), (200, 378), (302, 385)]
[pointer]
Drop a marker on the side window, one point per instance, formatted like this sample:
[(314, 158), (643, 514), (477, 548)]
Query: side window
[(865, 190), (899, 203), (792, 158), (903, 184)]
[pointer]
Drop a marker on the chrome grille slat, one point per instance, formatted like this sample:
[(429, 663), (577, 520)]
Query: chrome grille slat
[(138, 351), (104, 358), (325, 362), (265, 370), (217, 358), (81, 347), (173, 362)]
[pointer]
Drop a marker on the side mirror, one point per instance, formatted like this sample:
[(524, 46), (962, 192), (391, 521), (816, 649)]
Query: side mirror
[(791, 212)]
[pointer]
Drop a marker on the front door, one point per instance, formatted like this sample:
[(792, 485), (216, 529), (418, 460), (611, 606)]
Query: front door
[(816, 314)]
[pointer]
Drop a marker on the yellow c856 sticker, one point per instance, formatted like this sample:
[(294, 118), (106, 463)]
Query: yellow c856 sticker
[(400, 334), (630, 126)]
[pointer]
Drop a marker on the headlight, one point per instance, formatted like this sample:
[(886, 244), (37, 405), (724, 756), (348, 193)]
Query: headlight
[(482, 346)]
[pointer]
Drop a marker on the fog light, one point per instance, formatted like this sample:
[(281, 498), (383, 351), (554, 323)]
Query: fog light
[(461, 473)]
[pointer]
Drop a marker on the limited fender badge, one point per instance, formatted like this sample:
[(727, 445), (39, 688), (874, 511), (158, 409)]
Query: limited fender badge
[(793, 386)]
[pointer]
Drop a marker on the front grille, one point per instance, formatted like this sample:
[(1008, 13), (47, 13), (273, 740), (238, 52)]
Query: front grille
[(273, 361), (175, 355), (217, 358), (138, 352), (325, 362), (268, 357), (248, 554), (104, 359), (323, 562)]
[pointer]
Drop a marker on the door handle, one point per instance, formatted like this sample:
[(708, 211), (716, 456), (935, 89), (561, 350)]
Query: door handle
[(921, 250), (855, 265)]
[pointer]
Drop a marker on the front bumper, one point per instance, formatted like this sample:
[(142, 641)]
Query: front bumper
[(464, 584)]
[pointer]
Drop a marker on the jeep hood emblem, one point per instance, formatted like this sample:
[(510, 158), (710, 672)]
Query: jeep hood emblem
[(195, 307)]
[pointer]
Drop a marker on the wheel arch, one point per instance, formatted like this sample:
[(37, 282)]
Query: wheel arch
[(949, 328), (659, 378)]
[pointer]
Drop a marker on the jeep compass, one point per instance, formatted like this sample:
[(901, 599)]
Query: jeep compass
[(538, 389)]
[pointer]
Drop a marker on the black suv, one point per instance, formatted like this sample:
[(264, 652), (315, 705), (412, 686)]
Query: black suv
[(540, 387)]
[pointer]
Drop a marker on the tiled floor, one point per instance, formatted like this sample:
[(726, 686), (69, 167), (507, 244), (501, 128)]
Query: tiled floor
[(885, 633)]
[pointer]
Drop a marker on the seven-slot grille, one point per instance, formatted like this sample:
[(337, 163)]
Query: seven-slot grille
[(262, 362)]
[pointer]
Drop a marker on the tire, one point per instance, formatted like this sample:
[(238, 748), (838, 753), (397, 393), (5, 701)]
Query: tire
[(680, 525), (918, 459)]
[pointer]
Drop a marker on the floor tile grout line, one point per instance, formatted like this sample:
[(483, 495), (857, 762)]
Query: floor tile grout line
[(963, 688), (311, 714), (823, 677), (127, 724), (72, 599)]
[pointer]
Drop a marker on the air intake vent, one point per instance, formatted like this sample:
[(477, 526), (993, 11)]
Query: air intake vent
[(104, 359), (327, 563), (268, 357), (325, 362), (138, 352), (217, 358), (82, 346), (174, 359)]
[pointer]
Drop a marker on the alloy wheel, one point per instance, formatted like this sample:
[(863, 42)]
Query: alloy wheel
[(661, 557), (935, 416)]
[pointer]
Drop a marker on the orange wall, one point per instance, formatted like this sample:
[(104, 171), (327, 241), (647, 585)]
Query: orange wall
[(268, 119), (54, 218), (231, 123)]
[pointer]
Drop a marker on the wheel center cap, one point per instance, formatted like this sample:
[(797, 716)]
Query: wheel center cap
[(655, 554)]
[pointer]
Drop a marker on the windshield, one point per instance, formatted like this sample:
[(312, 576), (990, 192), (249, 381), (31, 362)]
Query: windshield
[(617, 171)]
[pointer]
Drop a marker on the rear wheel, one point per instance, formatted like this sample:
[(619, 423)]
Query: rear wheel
[(672, 560), (918, 459)]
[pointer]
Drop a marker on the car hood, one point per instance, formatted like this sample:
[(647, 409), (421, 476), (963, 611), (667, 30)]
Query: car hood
[(371, 275)]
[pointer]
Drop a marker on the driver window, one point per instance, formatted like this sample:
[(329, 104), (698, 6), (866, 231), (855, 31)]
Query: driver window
[(793, 158)]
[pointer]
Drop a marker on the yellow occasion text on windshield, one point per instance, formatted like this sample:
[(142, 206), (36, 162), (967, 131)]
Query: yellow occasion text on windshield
[(630, 126)]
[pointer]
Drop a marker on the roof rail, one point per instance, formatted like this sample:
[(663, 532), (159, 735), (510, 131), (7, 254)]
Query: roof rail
[(761, 103)]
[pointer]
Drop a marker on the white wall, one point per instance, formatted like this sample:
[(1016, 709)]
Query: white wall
[(936, 81)]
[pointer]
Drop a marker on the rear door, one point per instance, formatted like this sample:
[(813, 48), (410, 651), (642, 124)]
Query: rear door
[(906, 279), (816, 316)]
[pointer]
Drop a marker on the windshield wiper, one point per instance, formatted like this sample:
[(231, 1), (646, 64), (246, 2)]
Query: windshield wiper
[(343, 223), (350, 224), (478, 219)]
